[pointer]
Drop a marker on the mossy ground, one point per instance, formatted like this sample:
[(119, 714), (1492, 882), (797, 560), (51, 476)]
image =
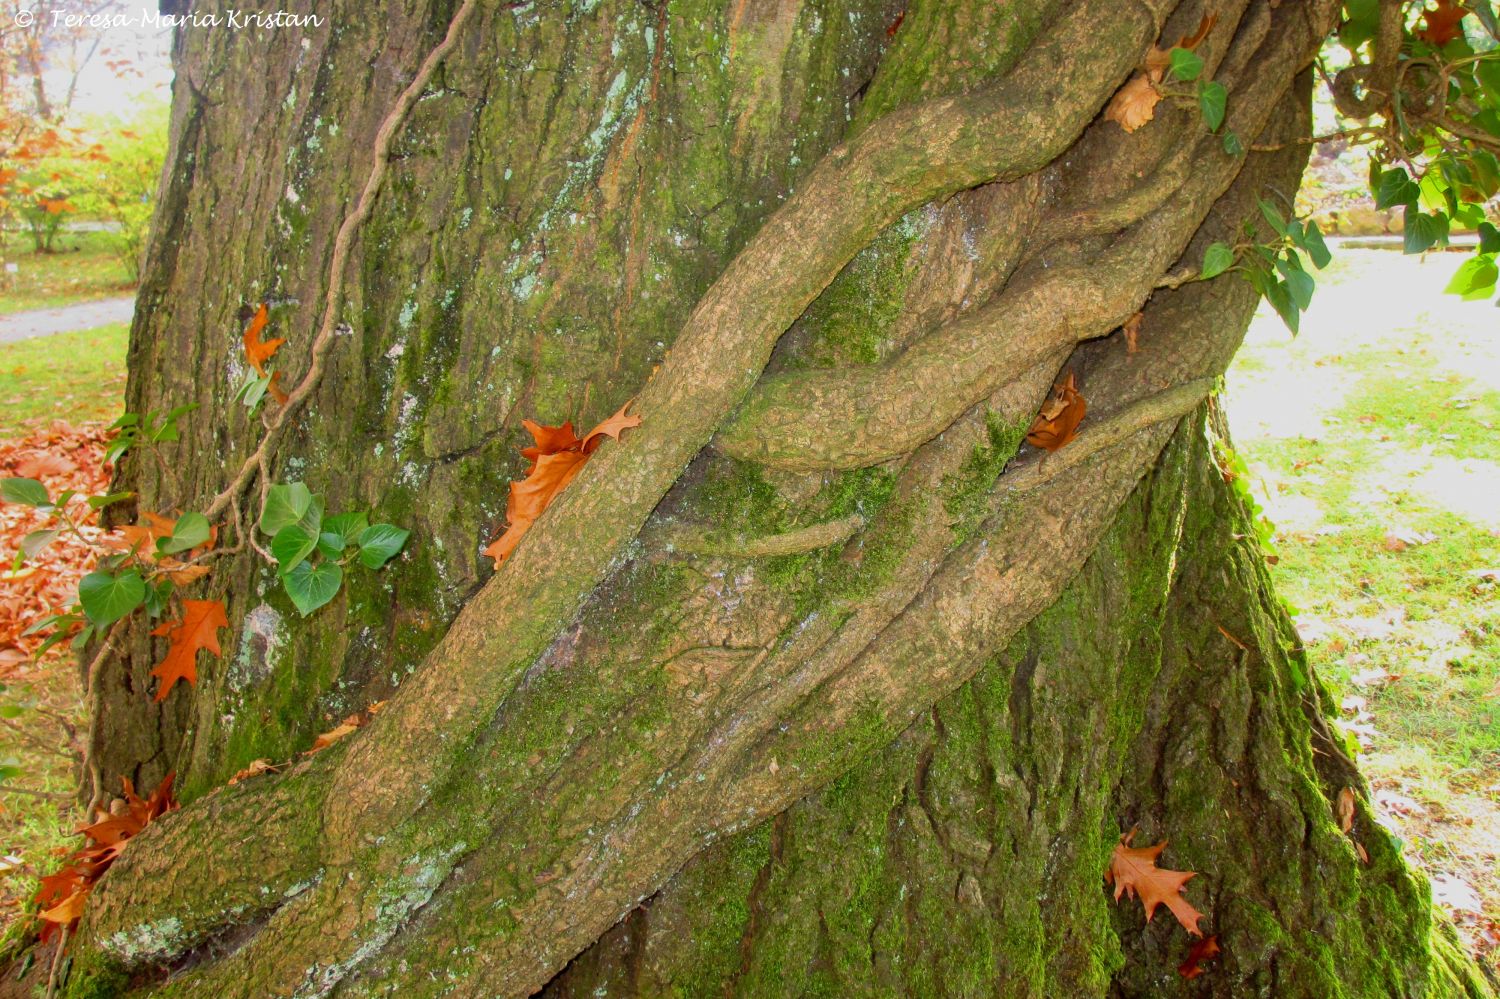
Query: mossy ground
[(1371, 443)]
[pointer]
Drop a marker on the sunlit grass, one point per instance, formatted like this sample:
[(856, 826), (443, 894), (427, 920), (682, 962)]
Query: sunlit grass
[(70, 376), (1373, 440), (86, 267)]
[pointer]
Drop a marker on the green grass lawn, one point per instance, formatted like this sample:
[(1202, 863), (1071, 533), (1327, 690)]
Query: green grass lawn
[(70, 376), (1372, 437), (84, 268)]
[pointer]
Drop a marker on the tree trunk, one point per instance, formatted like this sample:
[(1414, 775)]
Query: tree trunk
[(819, 682)]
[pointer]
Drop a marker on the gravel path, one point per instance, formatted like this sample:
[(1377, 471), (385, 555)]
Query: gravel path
[(66, 318)]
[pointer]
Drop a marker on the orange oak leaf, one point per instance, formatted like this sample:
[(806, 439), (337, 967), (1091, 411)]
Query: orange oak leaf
[(275, 388), (1134, 104), (142, 537), (198, 629), (1133, 872), (1442, 23), (258, 351), (1204, 950), (557, 456), (1057, 423), (62, 895), (69, 910)]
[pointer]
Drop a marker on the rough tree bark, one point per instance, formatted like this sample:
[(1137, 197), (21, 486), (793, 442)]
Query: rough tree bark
[(820, 683)]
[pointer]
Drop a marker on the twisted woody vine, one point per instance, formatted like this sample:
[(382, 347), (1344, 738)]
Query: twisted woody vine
[(1434, 159)]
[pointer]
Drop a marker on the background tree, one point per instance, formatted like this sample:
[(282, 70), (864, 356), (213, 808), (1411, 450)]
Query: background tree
[(818, 680)]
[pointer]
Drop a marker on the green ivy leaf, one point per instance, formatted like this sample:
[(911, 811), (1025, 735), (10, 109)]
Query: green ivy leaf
[(285, 504), (157, 595), (106, 598), (190, 531), (253, 391), (291, 545), (1395, 187), (1487, 72), (1475, 279), (1232, 144), (100, 502), (1212, 101), (1281, 300), (1315, 245), (346, 526), (1273, 216), (52, 620), (1361, 20), (1186, 65), (28, 492), (36, 541), (311, 586), (1489, 238), (379, 543), (332, 545), (1299, 285), (1423, 231), (1217, 259)]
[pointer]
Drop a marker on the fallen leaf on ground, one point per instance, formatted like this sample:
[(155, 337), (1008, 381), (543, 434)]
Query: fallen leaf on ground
[(62, 895), (556, 458), (1399, 804), (1372, 676), (258, 351), (1204, 950), (49, 580), (1133, 872), (46, 463), (198, 629), (1057, 423), (1455, 894), (1400, 539)]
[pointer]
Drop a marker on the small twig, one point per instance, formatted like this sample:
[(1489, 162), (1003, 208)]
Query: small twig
[(1343, 133), (97, 662), (1179, 278), (62, 945), (48, 795), (39, 744)]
